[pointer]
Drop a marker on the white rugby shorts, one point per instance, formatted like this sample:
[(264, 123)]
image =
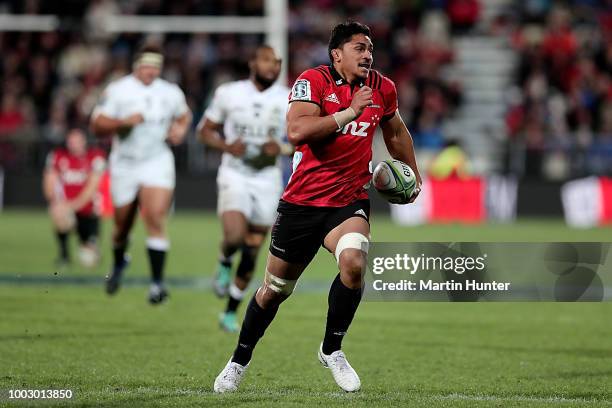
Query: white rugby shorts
[(129, 176), (254, 195)]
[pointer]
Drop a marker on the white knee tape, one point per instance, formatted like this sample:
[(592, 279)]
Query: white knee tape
[(279, 285), (158, 244), (353, 240)]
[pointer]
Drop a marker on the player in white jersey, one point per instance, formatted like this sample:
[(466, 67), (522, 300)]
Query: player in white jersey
[(144, 113), (251, 115)]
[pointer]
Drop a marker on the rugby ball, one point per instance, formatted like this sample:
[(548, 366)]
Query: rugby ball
[(394, 180)]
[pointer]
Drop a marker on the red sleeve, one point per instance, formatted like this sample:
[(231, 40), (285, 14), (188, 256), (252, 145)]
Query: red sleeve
[(389, 94), (309, 87)]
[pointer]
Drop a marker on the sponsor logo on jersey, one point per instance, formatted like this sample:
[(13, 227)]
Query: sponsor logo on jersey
[(301, 90), (74, 177), (332, 98), (356, 129)]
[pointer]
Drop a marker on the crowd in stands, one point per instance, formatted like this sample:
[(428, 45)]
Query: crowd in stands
[(561, 108), (50, 81)]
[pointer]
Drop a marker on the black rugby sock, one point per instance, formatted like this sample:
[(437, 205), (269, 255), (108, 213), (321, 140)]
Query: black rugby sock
[(119, 253), (62, 239), (157, 259), (343, 303), (255, 323), (157, 249)]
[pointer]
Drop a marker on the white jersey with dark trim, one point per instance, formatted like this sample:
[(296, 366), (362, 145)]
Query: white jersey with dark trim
[(159, 103), (251, 115)]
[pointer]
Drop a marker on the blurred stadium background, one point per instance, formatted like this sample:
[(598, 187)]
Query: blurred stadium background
[(523, 87)]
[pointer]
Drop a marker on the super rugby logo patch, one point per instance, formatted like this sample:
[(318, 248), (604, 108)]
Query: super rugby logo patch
[(301, 90)]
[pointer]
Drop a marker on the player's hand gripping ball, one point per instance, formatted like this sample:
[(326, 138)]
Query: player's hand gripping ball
[(394, 180)]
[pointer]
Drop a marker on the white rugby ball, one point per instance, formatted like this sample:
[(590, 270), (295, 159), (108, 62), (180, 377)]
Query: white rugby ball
[(394, 180)]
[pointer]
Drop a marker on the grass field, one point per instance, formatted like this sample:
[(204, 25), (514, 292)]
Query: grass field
[(62, 332)]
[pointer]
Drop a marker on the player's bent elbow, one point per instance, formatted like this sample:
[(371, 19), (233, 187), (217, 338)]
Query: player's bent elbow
[(294, 136), (97, 127)]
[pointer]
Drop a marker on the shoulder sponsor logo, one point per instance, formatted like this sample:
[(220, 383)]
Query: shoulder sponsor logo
[(301, 90), (332, 98)]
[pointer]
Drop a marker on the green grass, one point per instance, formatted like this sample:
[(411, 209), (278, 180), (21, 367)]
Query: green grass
[(122, 352)]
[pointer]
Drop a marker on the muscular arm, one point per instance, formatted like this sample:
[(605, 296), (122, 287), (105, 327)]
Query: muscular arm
[(304, 125), (399, 143), (103, 125), (209, 134)]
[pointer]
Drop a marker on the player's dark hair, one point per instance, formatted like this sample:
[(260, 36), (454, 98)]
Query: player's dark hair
[(342, 33)]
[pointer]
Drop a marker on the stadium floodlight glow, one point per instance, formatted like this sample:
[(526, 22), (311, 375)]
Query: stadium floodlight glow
[(28, 22)]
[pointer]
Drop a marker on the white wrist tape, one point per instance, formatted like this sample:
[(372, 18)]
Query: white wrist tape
[(344, 117)]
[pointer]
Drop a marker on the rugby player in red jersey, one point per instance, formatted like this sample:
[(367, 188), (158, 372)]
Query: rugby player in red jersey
[(70, 185), (331, 120)]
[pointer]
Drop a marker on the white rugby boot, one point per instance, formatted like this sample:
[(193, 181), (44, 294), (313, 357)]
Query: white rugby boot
[(343, 373), (229, 378)]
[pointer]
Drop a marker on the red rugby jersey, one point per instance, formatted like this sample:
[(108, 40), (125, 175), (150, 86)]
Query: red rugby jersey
[(73, 172), (336, 171)]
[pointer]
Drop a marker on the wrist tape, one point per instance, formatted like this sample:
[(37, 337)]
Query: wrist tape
[(344, 117)]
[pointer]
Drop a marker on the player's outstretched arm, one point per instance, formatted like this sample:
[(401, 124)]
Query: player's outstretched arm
[(400, 146), (305, 125), (178, 128)]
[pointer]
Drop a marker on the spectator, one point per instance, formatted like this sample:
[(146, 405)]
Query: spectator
[(12, 118)]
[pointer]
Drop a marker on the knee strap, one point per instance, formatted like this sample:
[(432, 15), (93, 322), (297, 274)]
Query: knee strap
[(279, 285), (353, 240)]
